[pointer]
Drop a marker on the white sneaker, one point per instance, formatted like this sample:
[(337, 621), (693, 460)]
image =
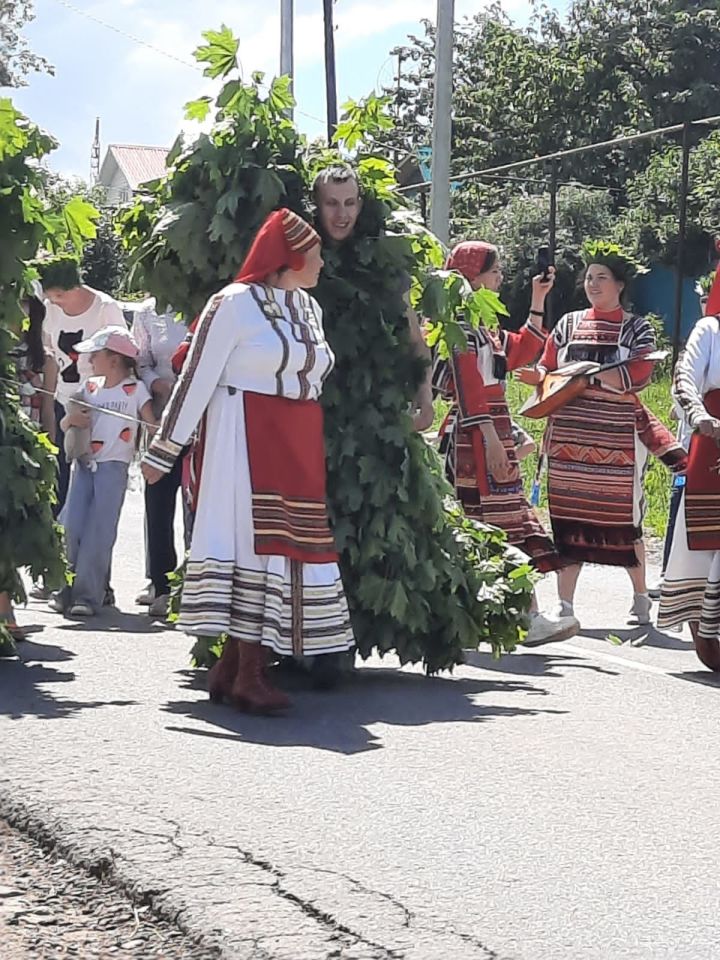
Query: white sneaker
[(146, 597), (55, 603), (550, 629), (640, 610)]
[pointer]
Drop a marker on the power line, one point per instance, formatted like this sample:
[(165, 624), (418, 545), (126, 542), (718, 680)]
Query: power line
[(163, 53), (575, 151)]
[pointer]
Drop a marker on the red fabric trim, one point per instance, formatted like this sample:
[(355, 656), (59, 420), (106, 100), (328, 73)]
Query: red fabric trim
[(469, 385), (702, 490), (286, 451), (713, 304)]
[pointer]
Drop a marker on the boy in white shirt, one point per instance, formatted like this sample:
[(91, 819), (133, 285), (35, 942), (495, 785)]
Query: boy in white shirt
[(73, 313), (99, 480)]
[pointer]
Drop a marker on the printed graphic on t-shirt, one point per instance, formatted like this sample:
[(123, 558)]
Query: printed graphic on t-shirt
[(66, 344), (112, 437)]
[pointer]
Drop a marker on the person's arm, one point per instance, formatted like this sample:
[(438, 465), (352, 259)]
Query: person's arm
[(475, 412), (423, 397), (47, 399), (690, 374), (145, 360), (148, 417), (217, 335), (524, 346)]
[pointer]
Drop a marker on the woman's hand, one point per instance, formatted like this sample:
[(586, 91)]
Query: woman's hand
[(709, 427), (529, 375), (497, 462), (541, 288), (151, 474)]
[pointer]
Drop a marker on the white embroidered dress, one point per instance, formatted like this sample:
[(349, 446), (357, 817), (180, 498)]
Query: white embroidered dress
[(691, 586), (229, 588)]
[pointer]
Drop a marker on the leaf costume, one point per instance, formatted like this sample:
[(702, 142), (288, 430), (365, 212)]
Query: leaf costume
[(420, 579)]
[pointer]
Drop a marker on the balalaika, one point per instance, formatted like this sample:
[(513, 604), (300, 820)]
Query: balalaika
[(558, 388)]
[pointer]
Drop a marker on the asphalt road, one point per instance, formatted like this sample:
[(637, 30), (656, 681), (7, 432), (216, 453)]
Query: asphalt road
[(555, 805)]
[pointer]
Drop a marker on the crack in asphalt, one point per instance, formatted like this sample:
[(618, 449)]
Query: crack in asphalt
[(322, 917), (410, 916)]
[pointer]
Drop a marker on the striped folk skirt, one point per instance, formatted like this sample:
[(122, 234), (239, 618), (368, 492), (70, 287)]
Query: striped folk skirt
[(262, 566), (483, 499), (596, 462)]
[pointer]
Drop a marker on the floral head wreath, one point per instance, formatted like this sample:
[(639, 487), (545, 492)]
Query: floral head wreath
[(611, 256)]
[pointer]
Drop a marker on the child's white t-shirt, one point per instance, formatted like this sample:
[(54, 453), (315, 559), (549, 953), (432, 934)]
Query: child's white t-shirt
[(112, 438)]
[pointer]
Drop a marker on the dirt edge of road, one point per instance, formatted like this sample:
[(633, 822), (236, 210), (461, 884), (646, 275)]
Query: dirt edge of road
[(99, 862)]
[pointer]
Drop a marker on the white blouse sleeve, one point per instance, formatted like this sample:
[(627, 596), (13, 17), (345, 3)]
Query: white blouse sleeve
[(217, 334), (691, 370)]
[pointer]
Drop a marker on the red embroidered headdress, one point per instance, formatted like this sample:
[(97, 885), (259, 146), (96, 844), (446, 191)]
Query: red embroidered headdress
[(282, 241), (471, 258)]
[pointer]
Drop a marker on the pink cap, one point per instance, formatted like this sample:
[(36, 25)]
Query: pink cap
[(118, 339)]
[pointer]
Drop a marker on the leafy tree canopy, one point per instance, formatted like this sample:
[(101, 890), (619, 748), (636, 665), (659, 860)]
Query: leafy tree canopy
[(16, 58)]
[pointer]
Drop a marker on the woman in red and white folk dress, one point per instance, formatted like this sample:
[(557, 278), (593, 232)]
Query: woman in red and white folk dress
[(597, 444), (477, 436), (691, 588), (262, 566)]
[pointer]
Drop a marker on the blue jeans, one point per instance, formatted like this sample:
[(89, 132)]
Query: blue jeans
[(92, 512)]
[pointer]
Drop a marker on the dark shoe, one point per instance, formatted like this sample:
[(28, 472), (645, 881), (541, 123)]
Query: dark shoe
[(221, 675), (251, 690), (109, 598), (708, 652), (327, 670)]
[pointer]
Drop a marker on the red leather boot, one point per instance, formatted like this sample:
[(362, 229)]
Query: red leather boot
[(251, 690), (221, 675)]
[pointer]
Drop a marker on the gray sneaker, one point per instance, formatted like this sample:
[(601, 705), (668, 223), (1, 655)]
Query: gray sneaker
[(550, 629), (640, 610)]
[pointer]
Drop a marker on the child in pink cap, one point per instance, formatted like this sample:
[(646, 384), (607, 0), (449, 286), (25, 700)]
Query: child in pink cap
[(112, 404)]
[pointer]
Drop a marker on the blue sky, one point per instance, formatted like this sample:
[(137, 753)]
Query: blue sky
[(139, 93)]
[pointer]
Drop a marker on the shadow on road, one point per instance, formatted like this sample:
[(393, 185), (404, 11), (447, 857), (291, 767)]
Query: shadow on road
[(534, 664), (21, 679), (337, 721), (645, 636), (115, 621)]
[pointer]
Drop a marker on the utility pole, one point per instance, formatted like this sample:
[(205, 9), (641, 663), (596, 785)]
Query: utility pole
[(442, 122), (95, 155), (287, 66), (330, 81)]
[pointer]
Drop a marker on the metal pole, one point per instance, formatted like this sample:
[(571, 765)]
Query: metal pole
[(548, 321), (330, 81), (287, 65), (552, 232), (442, 122), (682, 228)]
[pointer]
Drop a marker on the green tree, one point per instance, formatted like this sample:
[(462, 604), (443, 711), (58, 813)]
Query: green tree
[(189, 233), (648, 226), (603, 70), (28, 536), (16, 58)]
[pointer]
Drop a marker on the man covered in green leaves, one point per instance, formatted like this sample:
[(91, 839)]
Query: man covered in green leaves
[(419, 581)]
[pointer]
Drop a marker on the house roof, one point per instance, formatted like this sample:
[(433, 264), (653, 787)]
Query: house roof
[(138, 164)]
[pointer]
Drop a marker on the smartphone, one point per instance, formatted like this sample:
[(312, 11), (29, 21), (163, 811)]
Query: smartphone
[(543, 262)]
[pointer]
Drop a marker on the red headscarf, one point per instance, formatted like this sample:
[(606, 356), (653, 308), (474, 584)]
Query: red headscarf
[(282, 241), (471, 258)]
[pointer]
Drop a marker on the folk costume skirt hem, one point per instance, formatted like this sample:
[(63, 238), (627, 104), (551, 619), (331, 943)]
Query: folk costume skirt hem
[(691, 588)]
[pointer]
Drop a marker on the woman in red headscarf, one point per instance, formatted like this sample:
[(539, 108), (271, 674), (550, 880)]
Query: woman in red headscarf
[(477, 435), (262, 567)]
